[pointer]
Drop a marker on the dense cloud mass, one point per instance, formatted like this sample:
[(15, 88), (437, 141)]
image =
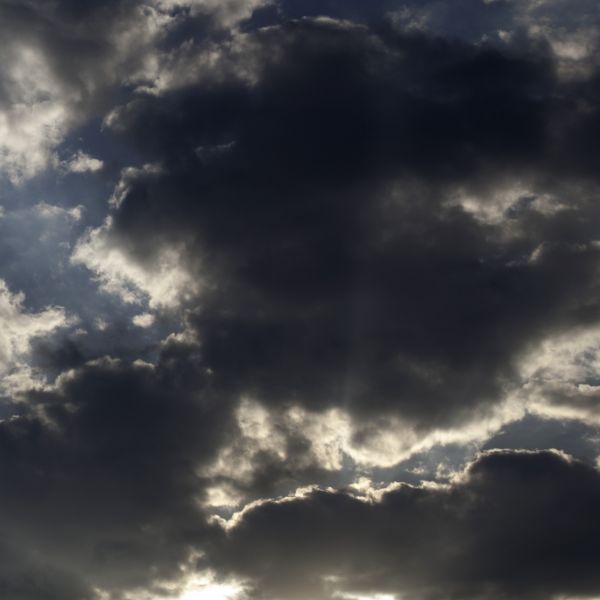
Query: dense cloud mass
[(326, 209), (299, 299), (516, 524), (102, 476)]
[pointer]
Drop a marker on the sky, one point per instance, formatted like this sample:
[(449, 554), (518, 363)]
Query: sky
[(299, 300)]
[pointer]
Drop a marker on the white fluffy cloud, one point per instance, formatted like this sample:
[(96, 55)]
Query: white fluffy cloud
[(35, 115), (143, 320), (42, 100), (81, 162), (164, 283), (18, 328), (333, 440), (561, 377)]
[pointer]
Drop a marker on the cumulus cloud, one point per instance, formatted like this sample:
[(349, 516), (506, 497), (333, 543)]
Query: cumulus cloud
[(514, 524), (144, 320), (81, 162), (560, 376), (325, 256), (275, 450), (34, 114), (227, 14), (19, 328), (112, 504), (60, 63), (320, 255), (569, 28), (162, 283)]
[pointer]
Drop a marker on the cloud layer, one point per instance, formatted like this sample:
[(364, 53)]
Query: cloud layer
[(299, 300)]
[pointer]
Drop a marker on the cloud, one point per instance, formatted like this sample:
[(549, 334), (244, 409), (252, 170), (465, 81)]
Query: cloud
[(570, 28), (144, 320), (100, 473), (163, 283), (81, 162), (61, 64), (24, 579), (560, 376), (48, 73), (19, 328), (485, 536), (346, 246), (226, 14), (392, 256)]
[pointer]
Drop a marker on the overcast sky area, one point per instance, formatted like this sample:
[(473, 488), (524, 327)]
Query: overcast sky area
[(299, 299)]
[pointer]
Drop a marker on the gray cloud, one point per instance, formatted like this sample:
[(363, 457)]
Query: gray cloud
[(302, 244), (518, 525), (346, 239)]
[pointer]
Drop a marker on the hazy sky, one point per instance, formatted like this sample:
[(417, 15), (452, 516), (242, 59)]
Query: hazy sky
[(299, 299)]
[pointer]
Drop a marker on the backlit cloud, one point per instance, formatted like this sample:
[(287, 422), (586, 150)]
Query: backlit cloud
[(299, 299)]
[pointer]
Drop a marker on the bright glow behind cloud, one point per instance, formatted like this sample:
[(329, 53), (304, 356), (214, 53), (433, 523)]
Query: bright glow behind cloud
[(212, 592)]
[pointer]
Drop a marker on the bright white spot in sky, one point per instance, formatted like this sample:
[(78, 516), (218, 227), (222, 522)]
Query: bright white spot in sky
[(81, 163), (164, 282), (144, 320), (212, 591), (196, 589), (101, 324), (366, 597)]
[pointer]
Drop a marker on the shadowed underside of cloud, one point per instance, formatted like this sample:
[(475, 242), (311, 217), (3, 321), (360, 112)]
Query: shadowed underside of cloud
[(517, 524), (378, 222)]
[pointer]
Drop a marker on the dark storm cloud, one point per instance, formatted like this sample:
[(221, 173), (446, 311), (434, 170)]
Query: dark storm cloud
[(100, 479), (339, 194), (407, 104), (22, 577), (520, 525), (316, 207)]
